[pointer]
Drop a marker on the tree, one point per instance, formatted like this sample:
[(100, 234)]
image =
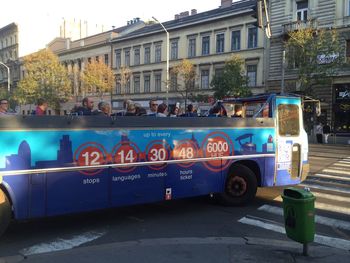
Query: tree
[(315, 55), (232, 81), (44, 78), (123, 79), (97, 78)]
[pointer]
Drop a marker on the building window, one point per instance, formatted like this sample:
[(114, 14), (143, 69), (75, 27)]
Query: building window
[(251, 74), (97, 59), (220, 43), (158, 82), (191, 47), (118, 85), (348, 49), (205, 79), (236, 40), (127, 58), (118, 58), (127, 87), (206, 45), (147, 83), (147, 55), (219, 72), (158, 53), (89, 60), (106, 59), (302, 9), (174, 50), (252, 37), (137, 84), (173, 81), (137, 56)]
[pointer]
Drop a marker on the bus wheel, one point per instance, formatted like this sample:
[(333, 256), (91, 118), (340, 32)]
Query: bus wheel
[(5, 212), (240, 187)]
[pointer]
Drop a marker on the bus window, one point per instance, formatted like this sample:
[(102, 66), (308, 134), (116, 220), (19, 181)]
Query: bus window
[(288, 120), (252, 108)]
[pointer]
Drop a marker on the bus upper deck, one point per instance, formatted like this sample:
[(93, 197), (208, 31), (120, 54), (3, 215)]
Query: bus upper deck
[(53, 165)]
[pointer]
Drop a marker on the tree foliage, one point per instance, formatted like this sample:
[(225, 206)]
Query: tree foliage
[(44, 78), (232, 81), (123, 78), (98, 78), (315, 55), (187, 72)]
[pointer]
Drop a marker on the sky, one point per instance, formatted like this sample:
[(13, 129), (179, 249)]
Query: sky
[(39, 20)]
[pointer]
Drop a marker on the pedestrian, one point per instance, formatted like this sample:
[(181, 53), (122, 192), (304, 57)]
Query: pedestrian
[(41, 107), (326, 132), (319, 132)]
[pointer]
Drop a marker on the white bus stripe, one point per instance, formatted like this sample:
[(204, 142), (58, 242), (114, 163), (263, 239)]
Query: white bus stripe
[(61, 244), (321, 187), (318, 219), (324, 240)]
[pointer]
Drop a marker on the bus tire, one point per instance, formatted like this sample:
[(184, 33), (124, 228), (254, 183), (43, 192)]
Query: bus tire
[(5, 212), (240, 186)]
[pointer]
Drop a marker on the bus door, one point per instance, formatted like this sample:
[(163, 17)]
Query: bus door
[(289, 140)]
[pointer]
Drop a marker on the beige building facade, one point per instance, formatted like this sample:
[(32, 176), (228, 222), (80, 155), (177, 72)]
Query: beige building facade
[(9, 55), (207, 39), (292, 15)]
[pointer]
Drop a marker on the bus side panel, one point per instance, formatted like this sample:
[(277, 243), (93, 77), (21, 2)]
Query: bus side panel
[(269, 172), (18, 188), (69, 192), (141, 185), (193, 180)]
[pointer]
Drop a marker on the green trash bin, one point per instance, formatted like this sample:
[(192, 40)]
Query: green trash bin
[(299, 214)]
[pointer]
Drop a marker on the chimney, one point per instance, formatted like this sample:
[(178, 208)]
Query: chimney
[(177, 16), (226, 3), (193, 12), (184, 14)]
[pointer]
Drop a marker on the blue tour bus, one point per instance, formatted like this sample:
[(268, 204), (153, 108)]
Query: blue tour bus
[(53, 165)]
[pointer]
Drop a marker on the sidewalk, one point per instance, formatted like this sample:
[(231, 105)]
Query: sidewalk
[(210, 249)]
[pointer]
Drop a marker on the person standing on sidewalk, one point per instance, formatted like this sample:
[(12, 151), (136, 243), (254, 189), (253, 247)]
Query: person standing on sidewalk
[(319, 132), (326, 132)]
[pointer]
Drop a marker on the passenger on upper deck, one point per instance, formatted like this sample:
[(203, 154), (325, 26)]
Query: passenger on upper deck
[(162, 110), (130, 110), (104, 109), (174, 112), (4, 107), (217, 111), (190, 112), (86, 108), (41, 107), (238, 111), (153, 104)]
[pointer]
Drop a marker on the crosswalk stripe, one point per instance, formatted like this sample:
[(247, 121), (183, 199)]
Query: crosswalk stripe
[(327, 188), (335, 171), (324, 240), (342, 164), (324, 206), (331, 177), (337, 168), (318, 219), (326, 196)]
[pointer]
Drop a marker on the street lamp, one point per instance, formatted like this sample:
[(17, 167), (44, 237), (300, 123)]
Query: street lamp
[(8, 76), (167, 59)]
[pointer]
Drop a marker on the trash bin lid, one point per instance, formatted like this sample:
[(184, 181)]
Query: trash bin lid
[(297, 193)]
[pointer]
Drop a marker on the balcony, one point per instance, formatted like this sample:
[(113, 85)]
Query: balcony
[(299, 25)]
